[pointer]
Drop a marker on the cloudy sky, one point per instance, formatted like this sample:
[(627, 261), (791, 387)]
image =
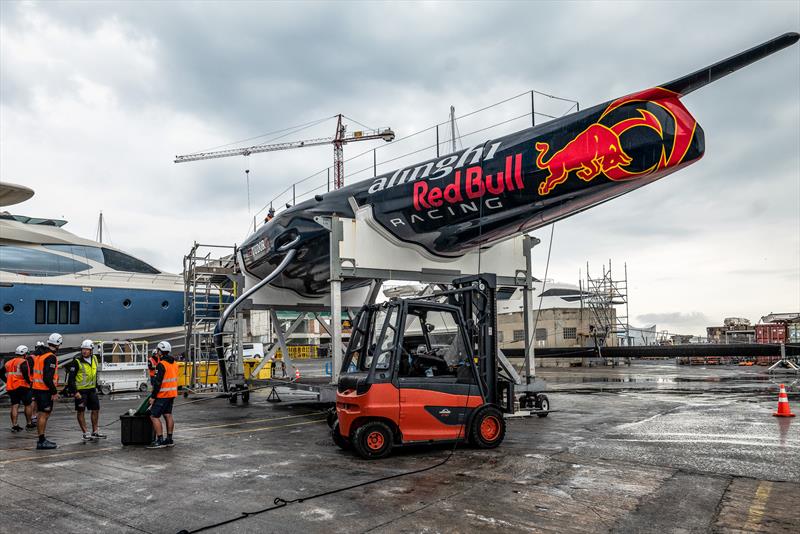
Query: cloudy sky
[(97, 98)]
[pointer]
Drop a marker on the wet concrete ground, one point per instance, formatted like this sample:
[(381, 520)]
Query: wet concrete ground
[(623, 451)]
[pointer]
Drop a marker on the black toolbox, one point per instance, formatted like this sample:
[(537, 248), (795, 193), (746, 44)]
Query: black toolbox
[(136, 429)]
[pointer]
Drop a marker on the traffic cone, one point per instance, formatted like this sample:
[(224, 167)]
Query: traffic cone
[(297, 375), (783, 404)]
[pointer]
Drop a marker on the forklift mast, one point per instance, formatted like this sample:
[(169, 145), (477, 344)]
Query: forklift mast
[(476, 296)]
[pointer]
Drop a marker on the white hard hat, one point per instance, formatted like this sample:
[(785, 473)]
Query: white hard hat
[(55, 339), (164, 346), (22, 350), (87, 344)]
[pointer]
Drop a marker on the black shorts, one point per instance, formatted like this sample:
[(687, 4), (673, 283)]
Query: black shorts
[(89, 400), (44, 400), (161, 407), (21, 396)]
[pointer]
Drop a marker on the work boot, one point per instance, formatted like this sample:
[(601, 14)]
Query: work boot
[(46, 444), (169, 443), (157, 443), (30, 427), (16, 428), (98, 435)]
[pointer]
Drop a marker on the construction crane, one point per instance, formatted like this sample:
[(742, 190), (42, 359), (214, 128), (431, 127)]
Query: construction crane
[(338, 141)]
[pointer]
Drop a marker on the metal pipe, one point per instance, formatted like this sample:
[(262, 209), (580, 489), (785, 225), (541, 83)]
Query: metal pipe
[(235, 304)]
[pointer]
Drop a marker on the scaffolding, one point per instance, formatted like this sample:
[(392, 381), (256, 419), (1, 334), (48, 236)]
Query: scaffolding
[(607, 299), (210, 283)]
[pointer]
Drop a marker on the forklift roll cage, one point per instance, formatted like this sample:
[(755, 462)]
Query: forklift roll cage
[(476, 333)]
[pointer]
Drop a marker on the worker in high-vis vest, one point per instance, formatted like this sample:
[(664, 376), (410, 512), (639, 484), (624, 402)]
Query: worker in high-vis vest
[(45, 380), (152, 363), (82, 383), (17, 375), (165, 389)]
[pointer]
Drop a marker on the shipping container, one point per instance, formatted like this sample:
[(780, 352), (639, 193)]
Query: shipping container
[(793, 333), (771, 333)]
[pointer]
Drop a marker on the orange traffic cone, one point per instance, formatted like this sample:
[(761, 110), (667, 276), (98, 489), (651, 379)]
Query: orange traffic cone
[(297, 375), (783, 404)]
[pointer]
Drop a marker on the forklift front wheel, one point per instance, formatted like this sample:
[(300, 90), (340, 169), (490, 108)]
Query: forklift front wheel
[(338, 439), (488, 428), (543, 405), (373, 440)]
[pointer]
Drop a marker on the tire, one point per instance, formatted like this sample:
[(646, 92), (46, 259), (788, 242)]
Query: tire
[(544, 405), (143, 387), (373, 440), (488, 428), (245, 397), (331, 417), (105, 389), (342, 442), (233, 398)]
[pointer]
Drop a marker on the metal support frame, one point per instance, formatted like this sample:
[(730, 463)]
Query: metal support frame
[(528, 242), (784, 365), (275, 346), (336, 298)]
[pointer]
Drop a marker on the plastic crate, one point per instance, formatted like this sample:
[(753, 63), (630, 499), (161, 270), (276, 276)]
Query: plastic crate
[(136, 429)]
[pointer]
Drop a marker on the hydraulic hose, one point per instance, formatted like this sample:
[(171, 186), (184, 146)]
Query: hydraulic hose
[(218, 330)]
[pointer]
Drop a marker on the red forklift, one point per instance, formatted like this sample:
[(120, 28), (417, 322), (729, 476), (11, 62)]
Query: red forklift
[(428, 370)]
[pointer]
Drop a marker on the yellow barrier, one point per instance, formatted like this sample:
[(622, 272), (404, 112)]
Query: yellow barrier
[(207, 372), (300, 352), (252, 363)]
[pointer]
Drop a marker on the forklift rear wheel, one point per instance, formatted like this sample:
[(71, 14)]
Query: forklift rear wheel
[(488, 428), (338, 439), (232, 399), (373, 440), (543, 405), (245, 397)]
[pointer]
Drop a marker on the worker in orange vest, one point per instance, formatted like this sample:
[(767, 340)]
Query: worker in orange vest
[(16, 374), (152, 363), (165, 389), (45, 380)]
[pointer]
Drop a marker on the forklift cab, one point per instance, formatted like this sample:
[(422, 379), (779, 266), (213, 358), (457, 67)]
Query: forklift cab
[(410, 375)]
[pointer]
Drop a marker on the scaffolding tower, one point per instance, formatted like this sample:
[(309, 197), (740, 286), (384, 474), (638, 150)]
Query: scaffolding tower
[(607, 299), (210, 284)]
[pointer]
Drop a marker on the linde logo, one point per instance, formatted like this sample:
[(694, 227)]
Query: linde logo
[(434, 170)]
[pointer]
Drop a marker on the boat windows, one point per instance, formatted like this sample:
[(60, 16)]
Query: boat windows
[(79, 251), (32, 262), (120, 261), (52, 312), (58, 312)]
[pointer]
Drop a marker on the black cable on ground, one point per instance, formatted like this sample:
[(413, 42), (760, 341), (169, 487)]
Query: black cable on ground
[(280, 502)]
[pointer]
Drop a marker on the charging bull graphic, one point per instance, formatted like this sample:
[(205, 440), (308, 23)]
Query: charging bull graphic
[(599, 150), (596, 149), (499, 188)]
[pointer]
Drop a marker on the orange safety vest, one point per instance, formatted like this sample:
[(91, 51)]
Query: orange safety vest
[(38, 372), (153, 365), (14, 379), (169, 384)]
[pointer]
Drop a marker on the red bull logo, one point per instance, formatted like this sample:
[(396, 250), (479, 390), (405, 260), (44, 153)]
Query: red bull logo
[(598, 150)]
